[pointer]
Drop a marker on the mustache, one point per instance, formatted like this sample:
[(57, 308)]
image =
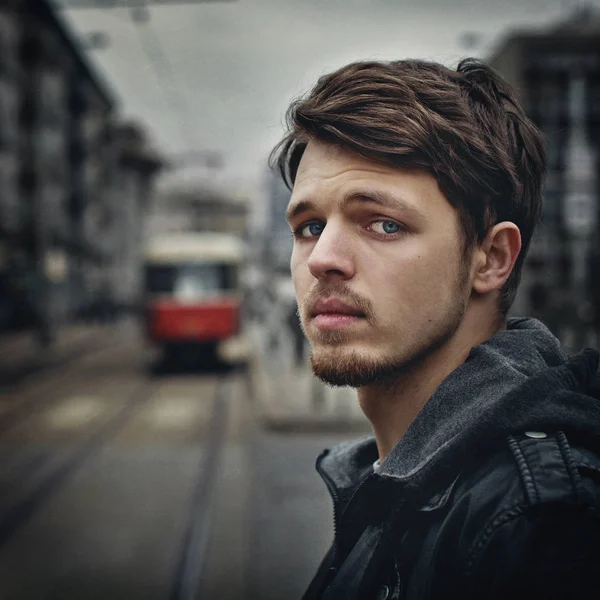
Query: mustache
[(341, 291)]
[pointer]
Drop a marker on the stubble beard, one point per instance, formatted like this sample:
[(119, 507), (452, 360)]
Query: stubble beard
[(337, 366)]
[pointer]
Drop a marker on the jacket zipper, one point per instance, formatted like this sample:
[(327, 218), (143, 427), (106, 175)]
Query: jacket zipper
[(358, 488), (335, 497)]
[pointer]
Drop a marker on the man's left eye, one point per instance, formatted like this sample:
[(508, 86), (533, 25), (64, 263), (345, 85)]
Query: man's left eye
[(385, 227)]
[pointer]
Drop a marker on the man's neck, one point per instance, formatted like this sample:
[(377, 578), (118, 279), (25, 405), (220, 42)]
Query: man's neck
[(392, 406)]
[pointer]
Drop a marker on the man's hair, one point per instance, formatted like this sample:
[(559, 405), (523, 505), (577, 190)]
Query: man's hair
[(465, 127)]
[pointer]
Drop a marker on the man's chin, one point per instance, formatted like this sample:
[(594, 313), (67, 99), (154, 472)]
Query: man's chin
[(338, 368)]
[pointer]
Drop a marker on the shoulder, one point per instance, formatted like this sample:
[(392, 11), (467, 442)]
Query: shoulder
[(533, 470), (526, 519)]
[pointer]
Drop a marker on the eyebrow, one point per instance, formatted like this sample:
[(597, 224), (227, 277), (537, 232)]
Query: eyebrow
[(374, 196)]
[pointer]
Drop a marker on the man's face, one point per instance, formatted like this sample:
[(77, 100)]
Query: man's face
[(378, 265)]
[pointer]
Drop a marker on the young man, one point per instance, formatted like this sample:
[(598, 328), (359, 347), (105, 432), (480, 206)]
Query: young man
[(416, 190)]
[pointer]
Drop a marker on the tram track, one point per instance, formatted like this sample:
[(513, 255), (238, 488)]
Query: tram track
[(13, 518), (44, 391), (21, 462), (187, 582), (40, 397), (16, 374), (47, 465)]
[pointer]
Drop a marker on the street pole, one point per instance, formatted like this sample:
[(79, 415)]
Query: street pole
[(580, 203)]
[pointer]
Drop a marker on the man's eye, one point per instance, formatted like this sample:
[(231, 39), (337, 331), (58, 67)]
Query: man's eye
[(310, 230), (386, 227)]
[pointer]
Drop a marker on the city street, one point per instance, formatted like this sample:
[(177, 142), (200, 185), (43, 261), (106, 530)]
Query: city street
[(120, 480), (153, 186)]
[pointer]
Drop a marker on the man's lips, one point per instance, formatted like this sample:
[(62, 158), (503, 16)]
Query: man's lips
[(333, 306), (331, 313)]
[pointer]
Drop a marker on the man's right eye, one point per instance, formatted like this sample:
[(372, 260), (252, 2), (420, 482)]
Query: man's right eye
[(309, 230)]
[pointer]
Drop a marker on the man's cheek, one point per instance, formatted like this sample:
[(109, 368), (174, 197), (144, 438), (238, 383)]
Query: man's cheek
[(300, 272), (293, 259), (297, 286)]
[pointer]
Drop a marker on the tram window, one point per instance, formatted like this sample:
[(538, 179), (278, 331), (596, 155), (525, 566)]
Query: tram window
[(196, 281), (160, 279), (191, 281), (229, 274)]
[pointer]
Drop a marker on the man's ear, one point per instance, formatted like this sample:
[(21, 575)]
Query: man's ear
[(497, 256)]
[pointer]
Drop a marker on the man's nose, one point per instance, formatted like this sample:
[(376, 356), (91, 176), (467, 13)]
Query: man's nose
[(332, 255)]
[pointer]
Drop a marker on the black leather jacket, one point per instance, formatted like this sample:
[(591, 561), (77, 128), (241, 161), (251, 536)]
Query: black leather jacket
[(492, 499)]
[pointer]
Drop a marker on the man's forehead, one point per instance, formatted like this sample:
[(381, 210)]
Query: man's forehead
[(326, 161), (328, 172)]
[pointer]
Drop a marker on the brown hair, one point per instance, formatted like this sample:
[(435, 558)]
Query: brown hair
[(464, 126)]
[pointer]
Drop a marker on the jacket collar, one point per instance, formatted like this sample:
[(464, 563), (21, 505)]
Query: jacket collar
[(516, 381)]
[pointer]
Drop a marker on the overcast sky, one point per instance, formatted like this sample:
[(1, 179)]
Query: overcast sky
[(236, 65)]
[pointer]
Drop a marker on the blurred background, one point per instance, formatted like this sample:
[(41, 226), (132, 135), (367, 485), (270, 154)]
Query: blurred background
[(158, 422)]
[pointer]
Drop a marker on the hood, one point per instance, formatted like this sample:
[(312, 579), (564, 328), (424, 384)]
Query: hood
[(519, 380)]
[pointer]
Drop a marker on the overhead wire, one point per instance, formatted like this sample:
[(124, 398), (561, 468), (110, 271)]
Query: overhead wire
[(110, 4), (165, 75), (157, 57)]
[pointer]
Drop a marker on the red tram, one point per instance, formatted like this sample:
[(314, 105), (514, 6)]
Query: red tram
[(192, 290)]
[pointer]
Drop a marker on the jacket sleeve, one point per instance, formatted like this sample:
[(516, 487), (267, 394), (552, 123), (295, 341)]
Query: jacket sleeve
[(549, 552)]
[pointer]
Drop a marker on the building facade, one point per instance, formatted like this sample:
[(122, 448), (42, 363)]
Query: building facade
[(557, 74), (62, 165)]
